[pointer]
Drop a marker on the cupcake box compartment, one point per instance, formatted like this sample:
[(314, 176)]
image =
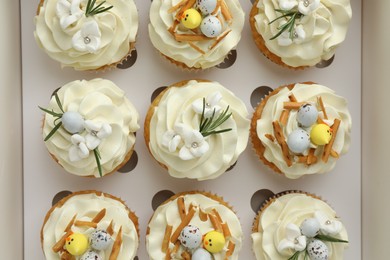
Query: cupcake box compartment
[(142, 178)]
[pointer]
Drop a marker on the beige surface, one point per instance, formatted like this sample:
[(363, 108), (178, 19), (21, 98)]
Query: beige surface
[(11, 136), (376, 128)]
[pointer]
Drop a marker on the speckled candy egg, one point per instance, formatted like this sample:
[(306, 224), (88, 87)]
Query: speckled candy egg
[(191, 18), (190, 237), (317, 250), (206, 6), (90, 255), (310, 227), (211, 26), (201, 254), (100, 240), (73, 122), (307, 115), (298, 141), (214, 242)]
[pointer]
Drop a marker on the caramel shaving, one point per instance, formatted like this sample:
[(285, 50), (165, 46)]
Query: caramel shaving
[(202, 215), (173, 27), (319, 99), (311, 158), (226, 230), (282, 142), (217, 215), (183, 37), (183, 223), (60, 244), (292, 98), (182, 209), (328, 147), (168, 254), (167, 236), (270, 137), (196, 48), (186, 6), (67, 256), (230, 249), (220, 38), (177, 6), (70, 224), (99, 216), (292, 105), (110, 229), (284, 116), (214, 12), (79, 223), (186, 255), (216, 224), (176, 248), (117, 245), (225, 11), (334, 154)]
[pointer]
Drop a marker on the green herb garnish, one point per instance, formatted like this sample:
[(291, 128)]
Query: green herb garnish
[(295, 256), (207, 126), (329, 239), (92, 9), (291, 16), (98, 157), (54, 114)]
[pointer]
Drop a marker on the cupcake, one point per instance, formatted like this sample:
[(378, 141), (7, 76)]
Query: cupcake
[(299, 33), (301, 129), (90, 225), (89, 127), (194, 225), (87, 34), (195, 34), (298, 225), (196, 129)]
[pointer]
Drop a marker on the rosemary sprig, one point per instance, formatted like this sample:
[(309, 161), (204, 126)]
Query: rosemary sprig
[(295, 256), (292, 16), (54, 114), (207, 126), (92, 9), (330, 239), (98, 157)]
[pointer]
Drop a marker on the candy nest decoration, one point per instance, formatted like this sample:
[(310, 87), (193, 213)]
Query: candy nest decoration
[(87, 34), (201, 32), (194, 225), (89, 127), (308, 130), (90, 225)]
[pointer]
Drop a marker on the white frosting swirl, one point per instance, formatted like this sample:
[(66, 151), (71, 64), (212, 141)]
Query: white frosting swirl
[(168, 214), (325, 28), (336, 107), (161, 20), (176, 107), (291, 208), (86, 206), (118, 27), (97, 100)]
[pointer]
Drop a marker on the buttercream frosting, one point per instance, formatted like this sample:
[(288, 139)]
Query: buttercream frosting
[(319, 31), (168, 214), (336, 108), (82, 42), (86, 207), (101, 103), (161, 20), (287, 210), (175, 108)]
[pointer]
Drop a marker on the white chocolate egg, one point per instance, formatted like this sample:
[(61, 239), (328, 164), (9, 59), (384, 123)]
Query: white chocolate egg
[(298, 141), (206, 6), (90, 255), (73, 122), (307, 115), (201, 254), (317, 250), (211, 26), (310, 227), (190, 237), (100, 240)]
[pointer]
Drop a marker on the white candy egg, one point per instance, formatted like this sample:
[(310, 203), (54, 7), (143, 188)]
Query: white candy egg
[(190, 237), (73, 122), (211, 26), (310, 227), (298, 141), (201, 254), (317, 250), (307, 115), (100, 240), (206, 6), (90, 255)]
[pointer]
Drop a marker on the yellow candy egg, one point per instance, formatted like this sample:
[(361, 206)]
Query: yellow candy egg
[(214, 241), (76, 244), (320, 134), (191, 18)]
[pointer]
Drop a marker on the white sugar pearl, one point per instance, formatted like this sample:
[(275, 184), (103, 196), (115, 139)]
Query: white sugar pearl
[(211, 26), (73, 122), (310, 227), (307, 115), (298, 141)]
